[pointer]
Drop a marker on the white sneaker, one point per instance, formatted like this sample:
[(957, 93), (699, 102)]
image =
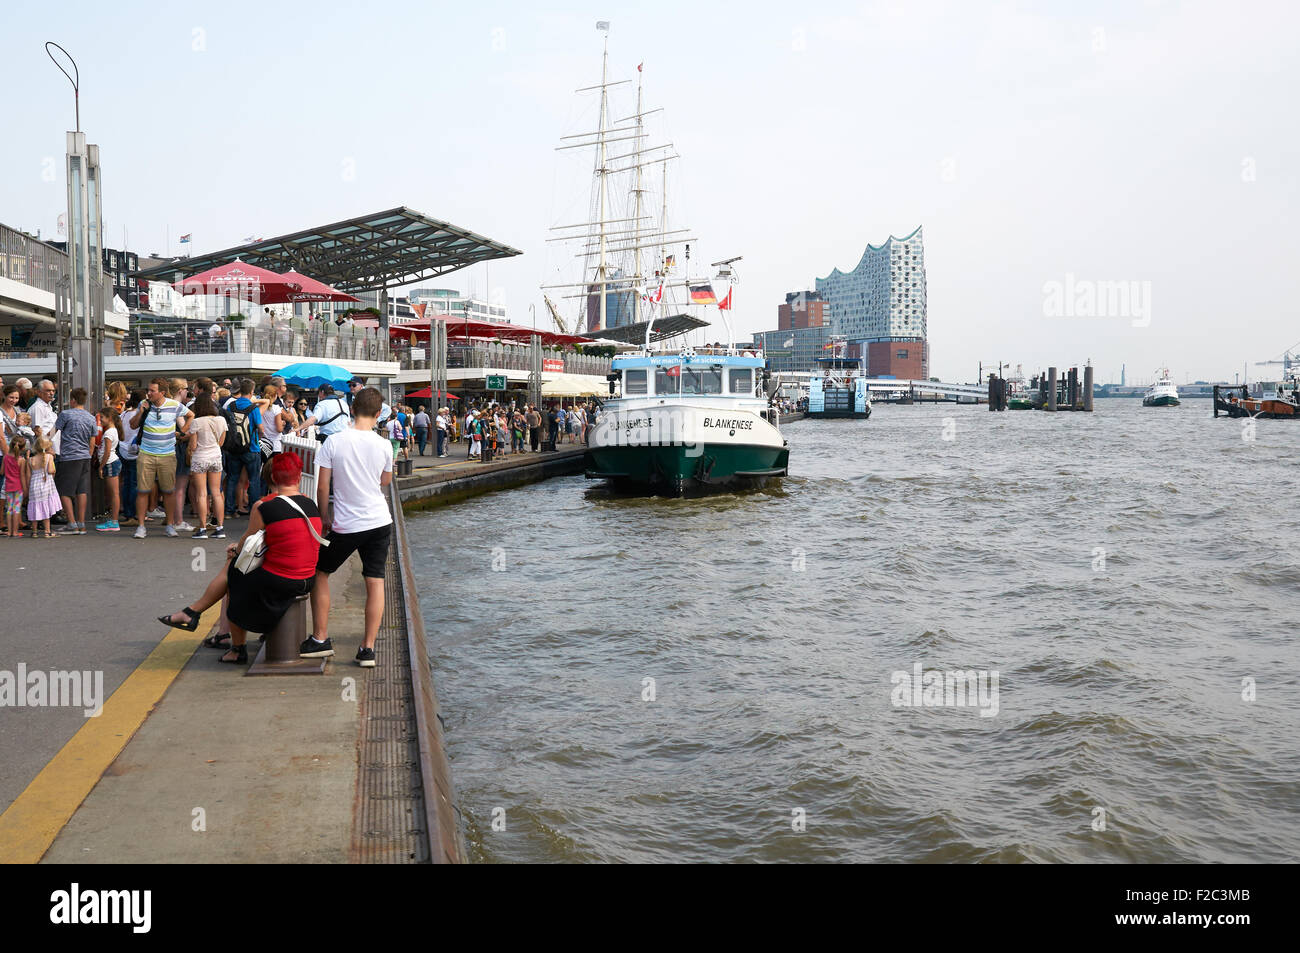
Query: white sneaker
[(171, 531), (185, 527), (140, 532), (157, 513)]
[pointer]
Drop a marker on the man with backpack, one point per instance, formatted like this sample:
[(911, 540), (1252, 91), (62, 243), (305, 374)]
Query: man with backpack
[(243, 422)]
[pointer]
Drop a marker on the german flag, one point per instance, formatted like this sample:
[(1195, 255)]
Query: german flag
[(703, 294)]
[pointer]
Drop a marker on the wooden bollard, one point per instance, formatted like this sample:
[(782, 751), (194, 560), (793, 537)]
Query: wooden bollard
[(1087, 388), (1051, 388)]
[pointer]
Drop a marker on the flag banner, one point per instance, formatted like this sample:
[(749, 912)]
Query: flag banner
[(602, 25), (673, 370), (703, 294), (725, 303), (659, 294), (184, 239), (789, 342), (827, 347), (669, 262)]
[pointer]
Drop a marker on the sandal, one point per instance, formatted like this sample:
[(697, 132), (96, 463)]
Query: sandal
[(241, 655), (189, 626), (218, 640)]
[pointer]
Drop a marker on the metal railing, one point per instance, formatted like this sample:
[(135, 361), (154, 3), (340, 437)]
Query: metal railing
[(299, 340), (502, 357), (30, 260)]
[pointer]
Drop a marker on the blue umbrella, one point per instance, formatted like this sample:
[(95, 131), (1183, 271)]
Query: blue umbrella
[(312, 375)]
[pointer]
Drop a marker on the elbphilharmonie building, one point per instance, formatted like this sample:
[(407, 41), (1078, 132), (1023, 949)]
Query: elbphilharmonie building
[(881, 305)]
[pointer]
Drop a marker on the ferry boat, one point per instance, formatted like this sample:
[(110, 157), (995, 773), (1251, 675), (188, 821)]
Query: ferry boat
[(840, 390), (682, 421), (1163, 393)]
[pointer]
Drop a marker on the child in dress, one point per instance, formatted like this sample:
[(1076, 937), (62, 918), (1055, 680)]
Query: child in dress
[(42, 497), (14, 461)]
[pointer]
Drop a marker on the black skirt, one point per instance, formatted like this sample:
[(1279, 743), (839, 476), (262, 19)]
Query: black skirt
[(259, 599)]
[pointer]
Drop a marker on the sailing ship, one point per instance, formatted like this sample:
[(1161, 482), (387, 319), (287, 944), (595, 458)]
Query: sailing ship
[(1163, 393), (677, 418)]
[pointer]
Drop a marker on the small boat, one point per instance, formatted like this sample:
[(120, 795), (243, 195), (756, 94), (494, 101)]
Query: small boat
[(1236, 402), (840, 390), (1163, 393)]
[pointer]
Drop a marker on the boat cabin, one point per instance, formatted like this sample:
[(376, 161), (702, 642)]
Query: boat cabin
[(693, 375)]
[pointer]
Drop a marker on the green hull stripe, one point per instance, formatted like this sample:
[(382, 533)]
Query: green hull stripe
[(717, 463)]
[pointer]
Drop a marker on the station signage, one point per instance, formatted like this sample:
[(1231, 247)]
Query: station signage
[(496, 382), (553, 364)]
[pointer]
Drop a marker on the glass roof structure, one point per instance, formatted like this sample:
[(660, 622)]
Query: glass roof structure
[(382, 250), (664, 328)]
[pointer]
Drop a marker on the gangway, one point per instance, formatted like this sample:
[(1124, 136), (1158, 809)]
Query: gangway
[(888, 387)]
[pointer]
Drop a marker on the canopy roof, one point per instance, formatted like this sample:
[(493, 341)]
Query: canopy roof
[(384, 249), (668, 327), (460, 329)]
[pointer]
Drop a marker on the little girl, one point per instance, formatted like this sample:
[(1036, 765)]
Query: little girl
[(14, 464), (110, 465), (42, 497)]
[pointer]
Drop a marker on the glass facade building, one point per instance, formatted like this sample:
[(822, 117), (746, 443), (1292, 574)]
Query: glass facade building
[(794, 349), (883, 299)]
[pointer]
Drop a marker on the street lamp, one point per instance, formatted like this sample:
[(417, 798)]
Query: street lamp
[(85, 241)]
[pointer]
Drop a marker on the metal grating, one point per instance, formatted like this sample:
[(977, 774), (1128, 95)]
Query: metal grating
[(388, 823)]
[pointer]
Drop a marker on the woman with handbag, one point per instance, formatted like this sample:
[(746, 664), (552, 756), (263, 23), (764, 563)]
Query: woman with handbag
[(268, 568)]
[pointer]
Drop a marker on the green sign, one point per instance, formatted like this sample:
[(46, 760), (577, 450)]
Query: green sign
[(496, 382)]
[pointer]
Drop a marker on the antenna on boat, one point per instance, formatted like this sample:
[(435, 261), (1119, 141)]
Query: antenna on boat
[(726, 271)]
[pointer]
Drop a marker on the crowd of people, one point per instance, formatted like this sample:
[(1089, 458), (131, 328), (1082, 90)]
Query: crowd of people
[(493, 429)]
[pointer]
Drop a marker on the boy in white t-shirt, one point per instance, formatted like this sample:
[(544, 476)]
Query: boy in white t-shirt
[(357, 463)]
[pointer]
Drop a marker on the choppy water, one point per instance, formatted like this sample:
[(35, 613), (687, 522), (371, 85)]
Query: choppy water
[(771, 623)]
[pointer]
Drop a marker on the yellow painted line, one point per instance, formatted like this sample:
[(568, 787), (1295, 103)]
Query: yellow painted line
[(37, 815)]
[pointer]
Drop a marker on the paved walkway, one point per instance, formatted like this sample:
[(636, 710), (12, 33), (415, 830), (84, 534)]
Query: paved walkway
[(188, 761)]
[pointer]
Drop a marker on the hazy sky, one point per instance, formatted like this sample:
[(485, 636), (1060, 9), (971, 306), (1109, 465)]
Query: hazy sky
[(1153, 143)]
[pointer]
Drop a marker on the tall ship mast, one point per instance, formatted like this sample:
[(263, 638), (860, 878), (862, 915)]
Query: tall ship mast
[(628, 249)]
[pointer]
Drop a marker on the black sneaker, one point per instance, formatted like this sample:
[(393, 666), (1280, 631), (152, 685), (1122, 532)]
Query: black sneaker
[(310, 648), (366, 657)]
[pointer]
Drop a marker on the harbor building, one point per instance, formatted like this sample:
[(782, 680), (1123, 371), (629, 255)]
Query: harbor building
[(802, 309), (881, 305), (461, 306), (794, 349)]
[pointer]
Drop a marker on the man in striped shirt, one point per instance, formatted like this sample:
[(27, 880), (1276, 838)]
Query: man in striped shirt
[(158, 418)]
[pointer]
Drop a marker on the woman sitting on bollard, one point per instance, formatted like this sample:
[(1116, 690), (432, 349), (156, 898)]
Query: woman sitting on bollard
[(259, 598)]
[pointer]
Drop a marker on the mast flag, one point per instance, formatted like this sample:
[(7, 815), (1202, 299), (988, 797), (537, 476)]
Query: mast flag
[(725, 303), (602, 25), (703, 294)]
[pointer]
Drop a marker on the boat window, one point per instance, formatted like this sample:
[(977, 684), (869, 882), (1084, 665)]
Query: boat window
[(742, 380), (701, 380), (667, 379), (634, 381)]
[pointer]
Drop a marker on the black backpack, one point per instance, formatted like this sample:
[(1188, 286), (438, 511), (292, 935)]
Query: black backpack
[(239, 438)]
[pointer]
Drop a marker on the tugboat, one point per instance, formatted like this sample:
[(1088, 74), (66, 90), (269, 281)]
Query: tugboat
[(1163, 393), (840, 391), (1236, 402)]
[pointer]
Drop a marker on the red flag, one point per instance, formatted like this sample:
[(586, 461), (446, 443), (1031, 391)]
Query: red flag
[(674, 370), (725, 303)]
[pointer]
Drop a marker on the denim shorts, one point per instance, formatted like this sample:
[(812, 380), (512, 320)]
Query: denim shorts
[(113, 468)]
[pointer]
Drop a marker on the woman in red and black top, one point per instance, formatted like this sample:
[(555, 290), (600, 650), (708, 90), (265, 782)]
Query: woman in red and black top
[(258, 599)]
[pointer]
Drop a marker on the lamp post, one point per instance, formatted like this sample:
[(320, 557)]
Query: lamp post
[(85, 304)]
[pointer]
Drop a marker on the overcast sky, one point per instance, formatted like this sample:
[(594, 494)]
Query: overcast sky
[(1149, 143)]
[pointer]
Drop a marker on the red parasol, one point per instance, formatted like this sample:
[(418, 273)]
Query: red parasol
[(424, 393), (238, 280), (313, 290)]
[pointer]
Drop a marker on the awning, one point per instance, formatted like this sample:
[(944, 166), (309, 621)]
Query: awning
[(575, 385), (460, 329)]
